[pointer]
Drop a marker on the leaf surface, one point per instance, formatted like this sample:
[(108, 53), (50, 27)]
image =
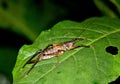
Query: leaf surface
[(78, 66)]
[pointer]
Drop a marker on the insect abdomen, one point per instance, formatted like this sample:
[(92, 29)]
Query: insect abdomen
[(47, 57)]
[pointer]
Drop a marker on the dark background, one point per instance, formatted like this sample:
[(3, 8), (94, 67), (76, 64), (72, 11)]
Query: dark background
[(75, 10)]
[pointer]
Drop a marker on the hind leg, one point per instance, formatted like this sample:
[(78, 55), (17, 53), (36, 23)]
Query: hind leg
[(86, 46)]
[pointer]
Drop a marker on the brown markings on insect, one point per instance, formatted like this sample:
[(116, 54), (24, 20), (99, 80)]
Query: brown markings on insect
[(53, 50)]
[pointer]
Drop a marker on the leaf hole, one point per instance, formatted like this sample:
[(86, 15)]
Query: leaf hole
[(116, 81), (112, 50)]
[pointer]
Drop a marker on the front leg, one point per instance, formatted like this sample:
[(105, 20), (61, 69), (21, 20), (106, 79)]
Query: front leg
[(35, 62), (39, 58), (48, 46), (30, 60)]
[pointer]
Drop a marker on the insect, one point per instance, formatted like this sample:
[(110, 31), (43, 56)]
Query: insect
[(53, 50)]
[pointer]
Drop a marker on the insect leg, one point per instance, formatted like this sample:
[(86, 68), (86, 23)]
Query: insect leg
[(35, 62), (82, 45), (79, 39), (48, 46), (30, 68), (75, 39), (29, 61)]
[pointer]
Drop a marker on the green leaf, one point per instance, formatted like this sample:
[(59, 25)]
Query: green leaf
[(78, 66), (12, 17), (25, 18), (106, 10), (117, 4)]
